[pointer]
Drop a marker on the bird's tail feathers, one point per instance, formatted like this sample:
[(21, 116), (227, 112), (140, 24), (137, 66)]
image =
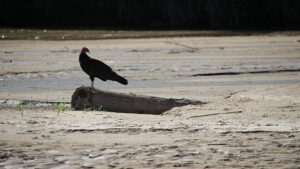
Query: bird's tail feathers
[(120, 79)]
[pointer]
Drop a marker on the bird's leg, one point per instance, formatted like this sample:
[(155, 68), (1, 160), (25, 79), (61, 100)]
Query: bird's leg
[(92, 84)]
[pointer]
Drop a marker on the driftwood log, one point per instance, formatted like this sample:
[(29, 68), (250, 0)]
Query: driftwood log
[(85, 97)]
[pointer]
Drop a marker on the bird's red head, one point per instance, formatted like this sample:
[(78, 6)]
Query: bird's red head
[(84, 50)]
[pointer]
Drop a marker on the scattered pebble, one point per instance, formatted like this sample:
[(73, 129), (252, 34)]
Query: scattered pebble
[(271, 124), (61, 159)]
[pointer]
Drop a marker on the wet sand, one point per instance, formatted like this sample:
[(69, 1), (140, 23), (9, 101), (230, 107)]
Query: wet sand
[(252, 119)]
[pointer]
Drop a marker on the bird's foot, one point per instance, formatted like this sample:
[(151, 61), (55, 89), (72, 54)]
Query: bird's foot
[(93, 90)]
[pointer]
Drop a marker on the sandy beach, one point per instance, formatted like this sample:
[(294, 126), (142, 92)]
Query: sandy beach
[(250, 119)]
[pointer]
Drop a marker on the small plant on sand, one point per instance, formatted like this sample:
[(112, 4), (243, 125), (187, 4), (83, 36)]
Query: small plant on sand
[(93, 108), (17, 151), (265, 115), (199, 103), (99, 108), (298, 115), (21, 108), (61, 107)]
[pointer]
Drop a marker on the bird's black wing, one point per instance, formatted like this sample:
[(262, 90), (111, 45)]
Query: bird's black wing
[(95, 68), (104, 72), (99, 69)]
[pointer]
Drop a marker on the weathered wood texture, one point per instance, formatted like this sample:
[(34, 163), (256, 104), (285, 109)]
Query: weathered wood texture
[(85, 97)]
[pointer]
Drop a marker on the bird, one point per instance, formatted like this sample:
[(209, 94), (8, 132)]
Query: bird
[(96, 68)]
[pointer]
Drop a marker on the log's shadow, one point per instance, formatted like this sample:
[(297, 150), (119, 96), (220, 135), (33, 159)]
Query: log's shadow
[(85, 97)]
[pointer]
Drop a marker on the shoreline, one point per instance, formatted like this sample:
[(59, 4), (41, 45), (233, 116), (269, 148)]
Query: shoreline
[(85, 34)]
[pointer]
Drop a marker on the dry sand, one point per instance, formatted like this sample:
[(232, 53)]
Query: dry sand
[(252, 120)]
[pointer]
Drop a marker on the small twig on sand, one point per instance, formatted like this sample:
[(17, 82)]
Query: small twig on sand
[(68, 114), (214, 114), (183, 45), (216, 144)]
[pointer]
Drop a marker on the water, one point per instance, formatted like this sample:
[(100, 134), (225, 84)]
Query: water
[(72, 84)]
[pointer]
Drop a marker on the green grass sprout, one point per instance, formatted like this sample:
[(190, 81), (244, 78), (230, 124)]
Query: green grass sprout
[(265, 115), (61, 107), (93, 108), (21, 108)]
